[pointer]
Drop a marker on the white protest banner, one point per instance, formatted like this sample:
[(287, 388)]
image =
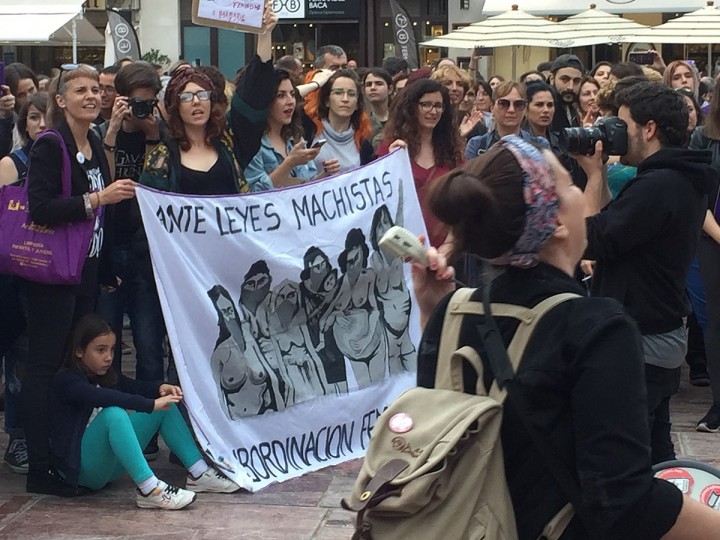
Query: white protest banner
[(243, 15), (291, 330)]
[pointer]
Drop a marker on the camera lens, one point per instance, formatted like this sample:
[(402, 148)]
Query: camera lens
[(580, 140)]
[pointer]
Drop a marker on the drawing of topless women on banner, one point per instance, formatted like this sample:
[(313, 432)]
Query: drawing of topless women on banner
[(291, 329)]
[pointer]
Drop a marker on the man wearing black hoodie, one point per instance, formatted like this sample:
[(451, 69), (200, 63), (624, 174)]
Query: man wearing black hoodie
[(644, 240), (567, 73)]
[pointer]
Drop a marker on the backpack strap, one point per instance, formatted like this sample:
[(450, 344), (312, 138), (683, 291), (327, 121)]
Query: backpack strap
[(448, 372), (524, 332)]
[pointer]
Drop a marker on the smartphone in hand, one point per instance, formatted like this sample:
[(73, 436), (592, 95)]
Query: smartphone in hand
[(642, 58), (318, 143)]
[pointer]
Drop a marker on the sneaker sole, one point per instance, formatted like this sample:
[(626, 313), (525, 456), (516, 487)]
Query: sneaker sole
[(19, 469), (140, 503), (199, 489), (703, 428)]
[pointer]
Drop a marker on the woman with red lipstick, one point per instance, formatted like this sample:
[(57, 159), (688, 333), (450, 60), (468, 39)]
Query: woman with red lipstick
[(73, 104), (284, 159)]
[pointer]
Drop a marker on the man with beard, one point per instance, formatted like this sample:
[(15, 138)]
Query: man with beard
[(644, 239), (567, 73)]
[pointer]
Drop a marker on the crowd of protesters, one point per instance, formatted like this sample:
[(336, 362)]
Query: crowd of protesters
[(651, 216)]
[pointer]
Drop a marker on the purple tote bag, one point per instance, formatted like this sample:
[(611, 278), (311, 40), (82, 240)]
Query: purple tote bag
[(53, 255)]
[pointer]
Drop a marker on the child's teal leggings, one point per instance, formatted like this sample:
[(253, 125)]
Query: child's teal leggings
[(113, 444)]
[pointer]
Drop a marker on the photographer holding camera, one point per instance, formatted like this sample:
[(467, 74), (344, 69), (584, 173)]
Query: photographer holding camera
[(132, 130), (644, 240)]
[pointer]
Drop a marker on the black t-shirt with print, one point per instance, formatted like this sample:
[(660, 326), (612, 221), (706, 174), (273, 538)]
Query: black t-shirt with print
[(129, 160)]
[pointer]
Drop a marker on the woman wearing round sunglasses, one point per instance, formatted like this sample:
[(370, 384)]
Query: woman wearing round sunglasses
[(205, 152), (73, 104), (422, 121), (343, 122), (508, 108)]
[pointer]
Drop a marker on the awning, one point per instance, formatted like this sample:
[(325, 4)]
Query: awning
[(564, 7), (47, 22)]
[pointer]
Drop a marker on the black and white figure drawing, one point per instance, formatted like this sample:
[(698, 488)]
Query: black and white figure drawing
[(296, 341), (245, 384), (300, 366), (393, 295), (354, 315), (318, 286)]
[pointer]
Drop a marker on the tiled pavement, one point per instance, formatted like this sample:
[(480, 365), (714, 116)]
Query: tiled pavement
[(306, 508)]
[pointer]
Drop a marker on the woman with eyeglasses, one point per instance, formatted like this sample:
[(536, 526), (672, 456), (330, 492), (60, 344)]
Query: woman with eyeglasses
[(508, 108), (343, 123), (422, 121), (73, 104), (205, 152)]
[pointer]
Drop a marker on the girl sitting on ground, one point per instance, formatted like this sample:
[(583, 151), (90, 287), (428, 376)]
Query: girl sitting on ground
[(90, 450)]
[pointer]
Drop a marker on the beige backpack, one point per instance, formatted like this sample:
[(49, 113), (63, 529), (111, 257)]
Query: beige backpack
[(434, 468)]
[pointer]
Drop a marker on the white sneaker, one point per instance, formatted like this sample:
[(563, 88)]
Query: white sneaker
[(165, 497), (211, 481)]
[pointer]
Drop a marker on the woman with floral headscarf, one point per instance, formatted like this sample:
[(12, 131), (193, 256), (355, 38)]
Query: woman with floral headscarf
[(579, 388)]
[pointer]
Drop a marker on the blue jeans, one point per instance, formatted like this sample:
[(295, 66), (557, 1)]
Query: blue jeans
[(137, 296), (696, 293)]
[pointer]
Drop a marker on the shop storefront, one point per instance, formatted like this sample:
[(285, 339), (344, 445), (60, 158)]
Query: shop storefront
[(306, 25)]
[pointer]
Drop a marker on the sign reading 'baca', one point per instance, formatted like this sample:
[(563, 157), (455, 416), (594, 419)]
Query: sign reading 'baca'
[(291, 330)]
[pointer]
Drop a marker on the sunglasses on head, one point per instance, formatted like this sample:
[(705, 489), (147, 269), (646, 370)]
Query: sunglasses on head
[(518, 104), (66, 68)]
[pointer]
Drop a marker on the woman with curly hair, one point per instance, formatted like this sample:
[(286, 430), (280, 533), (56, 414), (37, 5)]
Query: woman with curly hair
[(204, 152), (422, 121), (284, 158), (343, 123)]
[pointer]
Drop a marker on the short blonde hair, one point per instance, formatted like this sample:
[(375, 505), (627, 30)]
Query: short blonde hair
[(441, 73)]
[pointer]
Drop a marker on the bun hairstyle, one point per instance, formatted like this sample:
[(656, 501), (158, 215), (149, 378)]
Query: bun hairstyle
[(482, 203)]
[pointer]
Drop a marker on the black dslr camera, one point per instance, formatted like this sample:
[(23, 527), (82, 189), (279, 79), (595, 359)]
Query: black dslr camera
[(142, 108), (610, 130)]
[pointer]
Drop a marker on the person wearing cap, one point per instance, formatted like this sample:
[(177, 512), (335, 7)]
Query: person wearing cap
[(567, 73), (565, 79), (579, 386)]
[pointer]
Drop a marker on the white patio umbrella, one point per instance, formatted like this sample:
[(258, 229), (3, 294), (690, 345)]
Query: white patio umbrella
[(594, 27), (701, 26), (512, 28)]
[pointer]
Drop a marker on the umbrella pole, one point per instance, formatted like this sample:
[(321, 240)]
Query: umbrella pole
[(514, 62), (593, 56), (709, 64), (74, 38)]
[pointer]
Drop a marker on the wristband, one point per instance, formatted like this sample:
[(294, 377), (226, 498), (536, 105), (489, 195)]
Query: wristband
[(88, 206), (108, 147), (152, 141)]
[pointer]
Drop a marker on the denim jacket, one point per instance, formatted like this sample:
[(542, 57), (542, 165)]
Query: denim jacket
[(257, 173)]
